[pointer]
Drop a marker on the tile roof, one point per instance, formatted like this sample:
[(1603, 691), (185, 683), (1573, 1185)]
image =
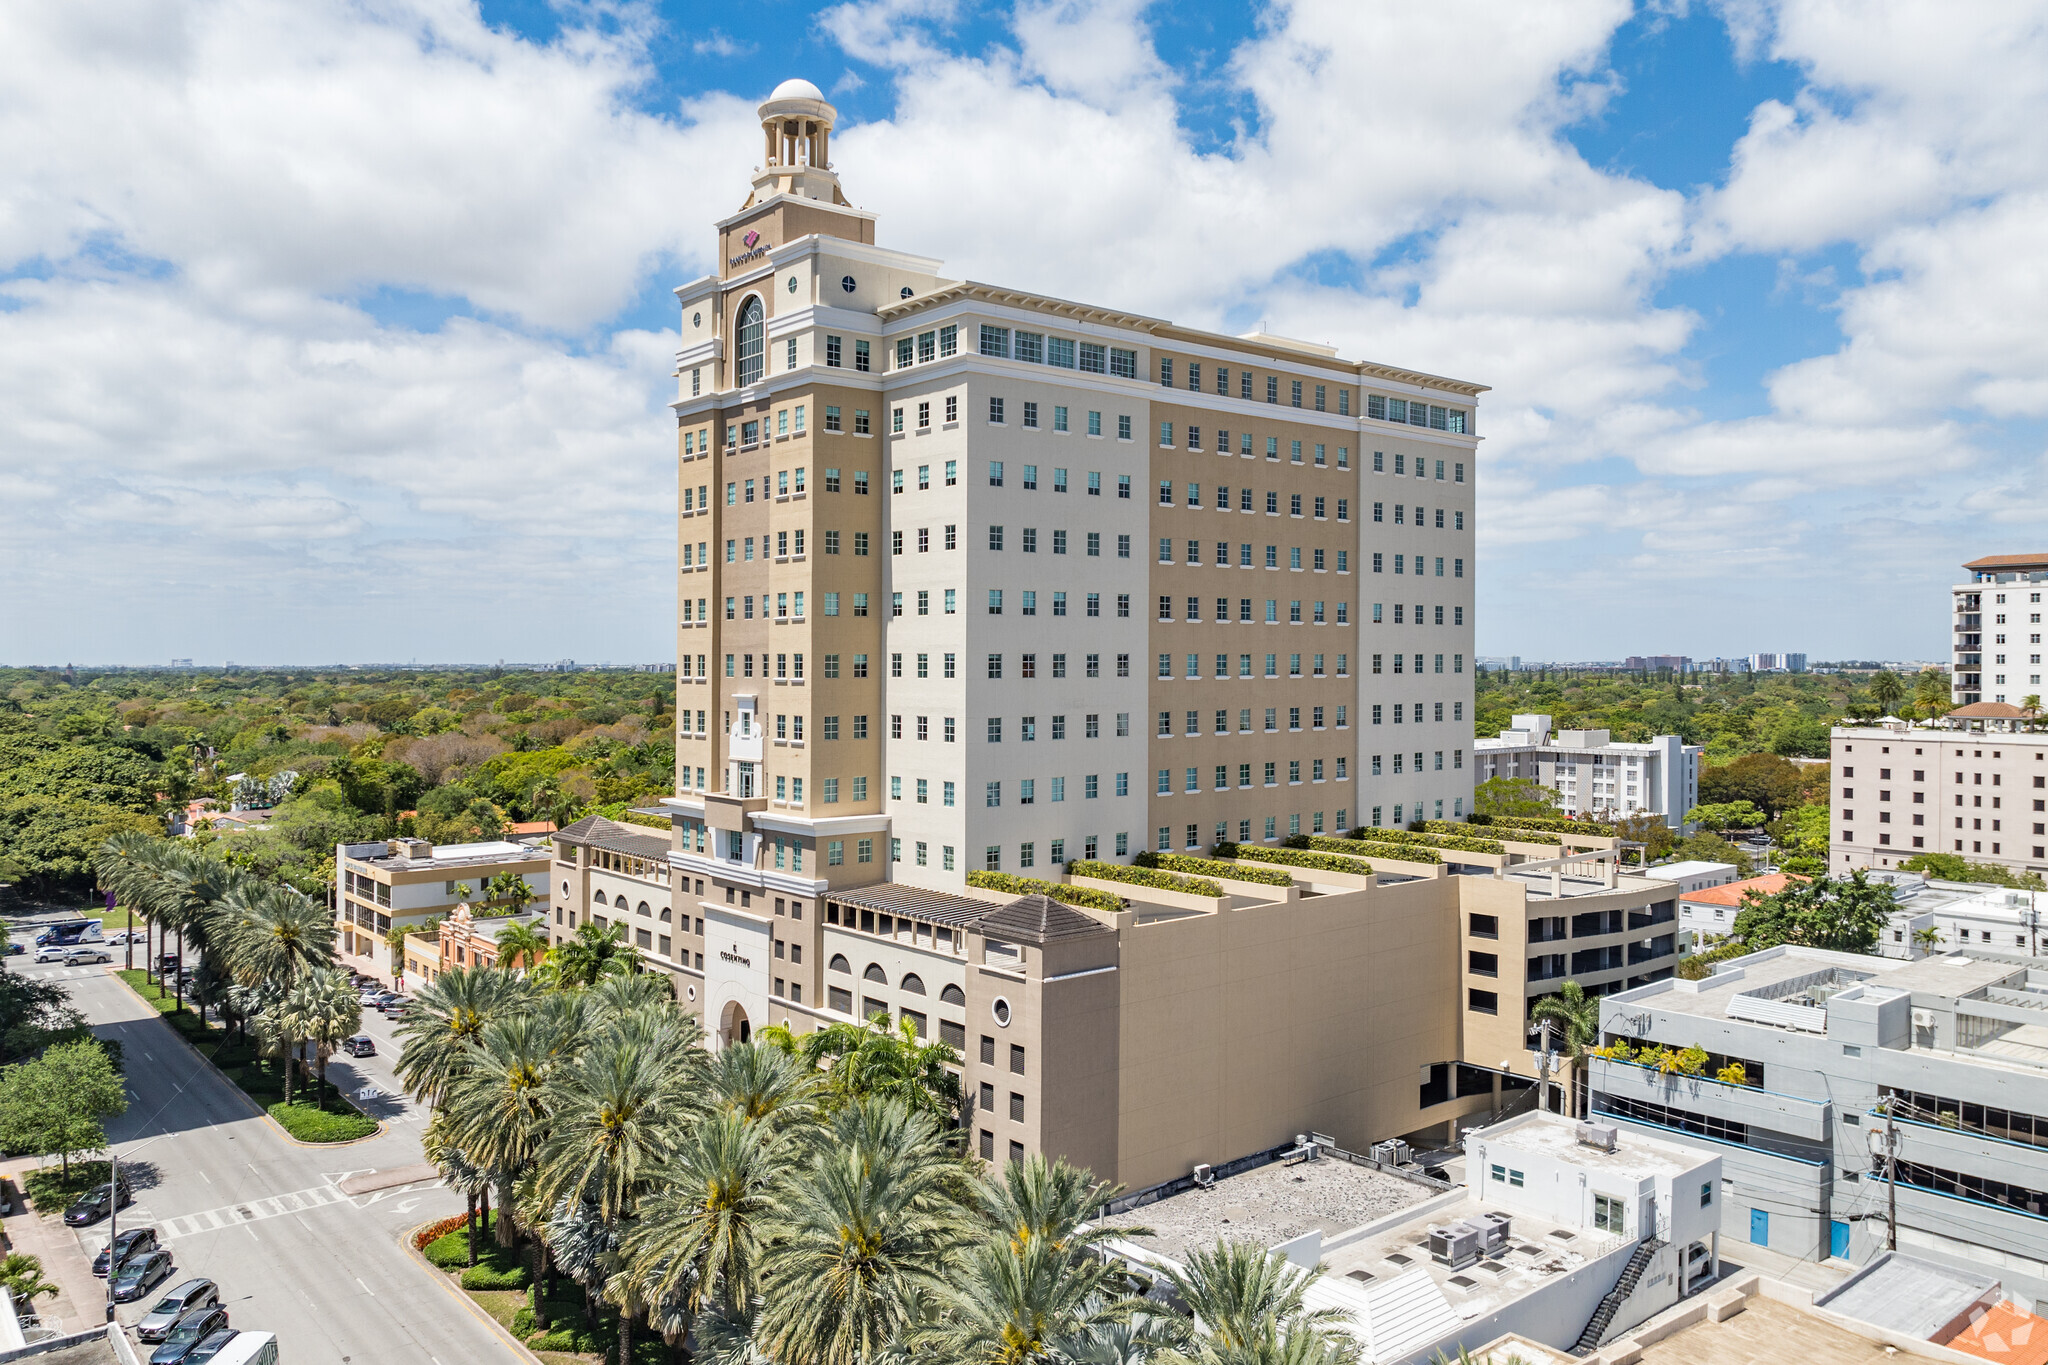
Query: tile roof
[(2009, 562), (609, 834), (895, 898), (1040, 919), (1990, 710), (1731, 893)]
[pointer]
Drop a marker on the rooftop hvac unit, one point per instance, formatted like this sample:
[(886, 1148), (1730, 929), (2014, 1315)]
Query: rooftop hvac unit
[(1205, 1175), (1392, 1152), (1605, 1136), (1456, 1246), (1494, 1229)]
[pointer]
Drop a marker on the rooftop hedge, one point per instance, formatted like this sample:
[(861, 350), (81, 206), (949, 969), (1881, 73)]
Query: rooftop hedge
[(1059, 891), (1466, 843), (1496, 833), (1153, 877), (1407, 853), (1551, 822), (1294, 857), (1210, 867)]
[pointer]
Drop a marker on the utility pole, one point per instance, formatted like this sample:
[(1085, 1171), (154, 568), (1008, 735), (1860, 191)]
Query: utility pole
[(1543, 1063), (1891, 1171)]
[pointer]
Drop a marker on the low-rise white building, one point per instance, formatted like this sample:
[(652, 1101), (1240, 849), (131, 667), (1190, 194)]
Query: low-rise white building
[(1592, 772)]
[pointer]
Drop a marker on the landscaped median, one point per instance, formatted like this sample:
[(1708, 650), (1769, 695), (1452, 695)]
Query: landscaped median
[(330, 1119), (502, 1286)]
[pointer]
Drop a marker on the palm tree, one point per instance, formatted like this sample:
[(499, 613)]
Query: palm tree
[(1927, 938), (876, 1060), (1577, 1016), (1932, 693), (591, 954), (194, 887), (275, 935), (498, 1109), (1018, 1305), (701, 1229), (125, 865), (1251, 1302), (866, 1233), (1887, 689), (22, 1274), (510, 890), (760, 1082), (461, 1174), (520, 945), (446, 1019), (328, 1010), (1035, 1200)]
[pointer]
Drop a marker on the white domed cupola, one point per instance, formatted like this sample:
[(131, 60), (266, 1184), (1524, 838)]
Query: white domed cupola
[(796, 130)]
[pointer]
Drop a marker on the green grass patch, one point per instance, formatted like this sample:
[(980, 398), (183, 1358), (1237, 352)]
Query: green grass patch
[(325, 1117), (50, 1189)]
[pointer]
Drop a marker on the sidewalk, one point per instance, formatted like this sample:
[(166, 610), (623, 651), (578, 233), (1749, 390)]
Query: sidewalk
[(82, 1304)]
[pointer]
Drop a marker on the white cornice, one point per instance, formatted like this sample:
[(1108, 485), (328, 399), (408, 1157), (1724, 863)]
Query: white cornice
[(752, 209)]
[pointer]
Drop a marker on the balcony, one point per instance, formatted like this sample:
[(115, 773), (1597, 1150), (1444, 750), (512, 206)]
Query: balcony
[(1660, 947), (1596, 922), (1969, 661), (1549, 929), (1663, 912), (1596, 960), (1745, 1104)]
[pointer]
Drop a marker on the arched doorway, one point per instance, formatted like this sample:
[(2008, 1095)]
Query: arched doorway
[(733, 1025)]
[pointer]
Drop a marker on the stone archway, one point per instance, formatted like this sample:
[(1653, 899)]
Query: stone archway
[(733, 1025)]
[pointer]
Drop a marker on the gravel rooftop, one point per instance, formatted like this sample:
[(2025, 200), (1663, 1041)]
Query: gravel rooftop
[(1273, 1204)]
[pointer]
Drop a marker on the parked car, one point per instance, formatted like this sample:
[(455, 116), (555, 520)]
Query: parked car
[(393, 1005), (13, 948), (95, 1204), (362, 1045), (193, 1328), (166, 962), (141, 1274), (211, 1346), (87, 953), (132, 1242), (157, 1323)]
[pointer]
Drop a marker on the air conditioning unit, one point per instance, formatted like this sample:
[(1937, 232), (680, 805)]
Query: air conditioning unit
[(1605, 1136), (1456, 1246), (1205, 1175), (1494, 1228), (1392, 1152)]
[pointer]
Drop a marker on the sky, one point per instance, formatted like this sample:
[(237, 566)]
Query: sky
[(341, 332)]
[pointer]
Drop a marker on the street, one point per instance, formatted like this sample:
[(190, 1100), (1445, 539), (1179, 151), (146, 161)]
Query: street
[(238, 1202)]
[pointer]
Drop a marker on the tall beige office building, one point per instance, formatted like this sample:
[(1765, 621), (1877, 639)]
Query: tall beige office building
[(972, 577), (976, 578)]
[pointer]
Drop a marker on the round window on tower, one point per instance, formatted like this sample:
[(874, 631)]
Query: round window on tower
[(846, 283), (905, 293), (1001, 1010), (696, 319), (792, 284)]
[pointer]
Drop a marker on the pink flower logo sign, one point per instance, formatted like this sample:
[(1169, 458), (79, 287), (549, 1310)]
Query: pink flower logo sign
[(751, 238)]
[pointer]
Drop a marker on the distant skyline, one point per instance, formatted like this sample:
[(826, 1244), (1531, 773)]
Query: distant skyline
[(310, 310)]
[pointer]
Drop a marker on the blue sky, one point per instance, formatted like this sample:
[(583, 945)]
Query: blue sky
[(338, 333)]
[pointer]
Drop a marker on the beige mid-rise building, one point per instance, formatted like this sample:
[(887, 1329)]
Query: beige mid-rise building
[(1996, 612), (1976, 784)]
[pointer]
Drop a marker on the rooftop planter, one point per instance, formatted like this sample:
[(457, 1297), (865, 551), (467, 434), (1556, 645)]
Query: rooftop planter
[(1059, 891), (1210, 867), (1295, 857), (1363, 848), (1155, 878)]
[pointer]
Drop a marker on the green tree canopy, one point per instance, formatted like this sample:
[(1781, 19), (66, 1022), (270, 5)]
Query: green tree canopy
[(58, 1102), (1846, 914), (1502, 797), (1726, 815)]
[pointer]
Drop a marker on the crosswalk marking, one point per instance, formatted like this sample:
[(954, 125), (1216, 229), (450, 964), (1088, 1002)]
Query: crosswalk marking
[(254, 1211)]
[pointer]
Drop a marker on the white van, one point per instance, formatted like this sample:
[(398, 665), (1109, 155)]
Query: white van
[(248, 1348)]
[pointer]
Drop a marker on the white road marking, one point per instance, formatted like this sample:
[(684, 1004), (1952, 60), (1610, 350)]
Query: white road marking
[(253, 1211), (366, 1288)]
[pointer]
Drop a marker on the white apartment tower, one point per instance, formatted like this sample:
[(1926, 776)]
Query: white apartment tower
[(973, 577), (1997, 611)]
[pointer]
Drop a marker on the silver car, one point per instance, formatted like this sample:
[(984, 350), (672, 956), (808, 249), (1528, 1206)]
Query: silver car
[(86, 953), (163, 1315)]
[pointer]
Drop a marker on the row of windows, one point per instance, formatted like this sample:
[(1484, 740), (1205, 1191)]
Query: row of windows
[(1058, 540), (1401, 616), (1037, 348), (1193, 719), (1027, 603), (1193, 776), (1245, 497), (1191, 834), (1244, 667), (1457, 761), (1318, 614), (1379, 565), (999, 415), (1421, 512), (1436, 660), (1244, 386), (1027, 789), (1457, 813), (1027, 728), (1379, 466), (1296, 451), (1414, 413), (1414, 712)]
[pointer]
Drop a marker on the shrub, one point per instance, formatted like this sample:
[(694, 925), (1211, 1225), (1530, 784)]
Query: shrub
[(1144, 876), (1294, 857), (309, 1124), (1409, 853), (49, 1189), (495, 1277), (1463, 842), (438, 1229), (1059, 891), (1210, 867), (1550, 822)]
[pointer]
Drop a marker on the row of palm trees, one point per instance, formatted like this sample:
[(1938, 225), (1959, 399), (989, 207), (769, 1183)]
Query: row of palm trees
[(800, 1201), (266, 950)]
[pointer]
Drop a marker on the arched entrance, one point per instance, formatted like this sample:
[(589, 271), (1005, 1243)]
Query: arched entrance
[(733, 1025)]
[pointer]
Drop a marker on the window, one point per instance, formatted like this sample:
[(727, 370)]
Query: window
[(1609, 1214), (752, 334)]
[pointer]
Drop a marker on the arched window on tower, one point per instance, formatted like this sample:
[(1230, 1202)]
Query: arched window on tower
[(753, 343)]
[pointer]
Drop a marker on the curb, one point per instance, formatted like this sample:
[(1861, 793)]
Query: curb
[(448, 1283), (244, 1096)]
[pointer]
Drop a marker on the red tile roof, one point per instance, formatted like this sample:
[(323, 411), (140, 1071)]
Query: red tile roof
[(1733, 892), (2005, 1334), (2009, 562), (1991, 710)]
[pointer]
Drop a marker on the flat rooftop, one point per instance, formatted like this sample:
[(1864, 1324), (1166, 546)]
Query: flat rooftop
[(460, 855), (1637, 1156), (1955, 976), (1908, 1295), (1767, 1330), (1272, 1204)]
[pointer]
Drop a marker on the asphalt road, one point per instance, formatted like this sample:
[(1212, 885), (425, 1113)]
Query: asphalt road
[(237, 1202)]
